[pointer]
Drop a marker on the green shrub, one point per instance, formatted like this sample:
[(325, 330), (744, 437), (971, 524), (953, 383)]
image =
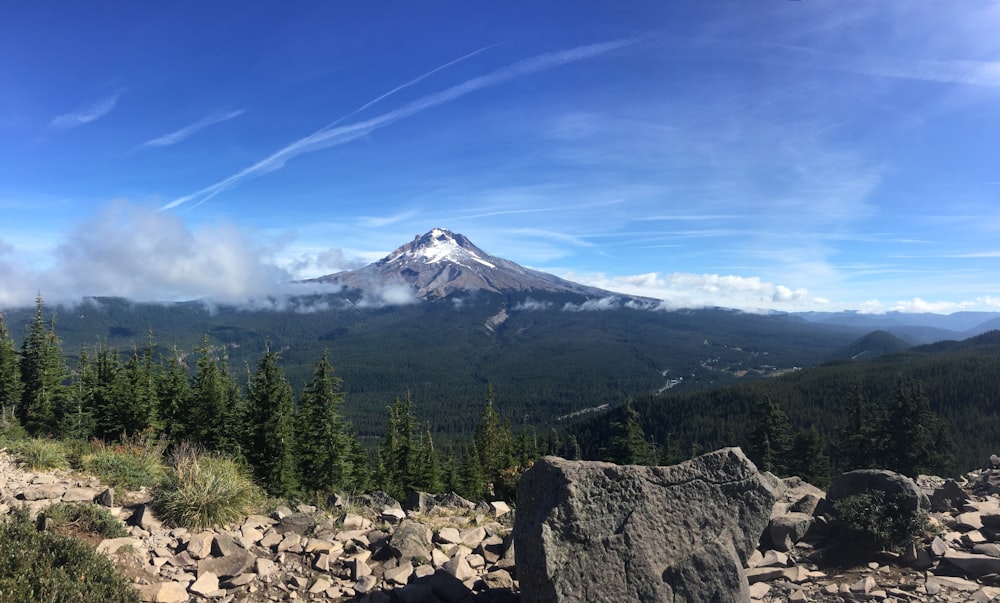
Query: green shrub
[(86, 518), (41, 453), (132, 464), (203, 491), (44, 566), (876, 521)]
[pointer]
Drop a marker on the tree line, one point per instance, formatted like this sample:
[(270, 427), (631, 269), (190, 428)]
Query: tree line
[(292, 444)]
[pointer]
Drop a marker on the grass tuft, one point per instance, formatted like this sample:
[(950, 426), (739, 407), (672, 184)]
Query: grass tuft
[(130, 465), (203, 491), (40, 454), (85, 518)]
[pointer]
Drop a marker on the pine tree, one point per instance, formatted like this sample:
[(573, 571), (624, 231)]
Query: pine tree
[(217, 407), (10, 377), (573, 451), (78, 420), (473, 485), (771, 444), (400, 450), (360, 463), (431, 473), (629, 445), (322, 443), (270, 430), (806, 458), (494, 442), (857, 446), (526, 450), (119, 394), (912, 431), (174, 397), (43, 376)]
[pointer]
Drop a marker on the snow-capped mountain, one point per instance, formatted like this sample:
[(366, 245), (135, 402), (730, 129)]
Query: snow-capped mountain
[(441, 263)]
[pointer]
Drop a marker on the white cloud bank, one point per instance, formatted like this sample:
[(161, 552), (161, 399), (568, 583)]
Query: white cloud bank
[(685, 290), (139, 253), (145, 255)]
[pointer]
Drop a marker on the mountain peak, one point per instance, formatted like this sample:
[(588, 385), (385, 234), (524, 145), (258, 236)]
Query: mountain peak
[(440, 263), (437, 246)]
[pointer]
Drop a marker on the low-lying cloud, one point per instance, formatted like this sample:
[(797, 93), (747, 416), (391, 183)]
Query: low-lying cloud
[(138, 253)]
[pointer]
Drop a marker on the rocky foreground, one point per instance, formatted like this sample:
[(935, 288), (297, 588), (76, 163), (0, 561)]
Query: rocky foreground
[(711, 529)]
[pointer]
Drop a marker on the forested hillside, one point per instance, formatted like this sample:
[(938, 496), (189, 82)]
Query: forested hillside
[(544, 356), (960, 380)]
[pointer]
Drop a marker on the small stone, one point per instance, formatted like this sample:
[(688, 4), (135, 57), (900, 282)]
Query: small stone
[(798, 597), (238, 581), (200, 545), (265, 567), (448, 536), (938, 547), (206, 583), (458, 567), (365, 584), (321, 584), (499, 508), (774, 559), (271, 539), (164, 592), (398, 575), (79, 495), (864, 585), (393, 515), (106, 498)]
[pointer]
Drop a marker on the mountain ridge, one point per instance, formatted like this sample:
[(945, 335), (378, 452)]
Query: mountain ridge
[(440, 264)]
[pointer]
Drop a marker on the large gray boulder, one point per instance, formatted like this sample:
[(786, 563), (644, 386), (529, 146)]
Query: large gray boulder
[(909, 495), (591, 531)]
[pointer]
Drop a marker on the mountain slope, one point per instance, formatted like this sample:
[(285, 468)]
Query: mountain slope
[(441, 263), (876, 343)]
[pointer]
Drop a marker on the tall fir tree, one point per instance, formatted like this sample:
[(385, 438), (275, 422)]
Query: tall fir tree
[(10, 377), (471, 476), (771, 442), (215, 404), (629, 445), (43, 376), (78, 419), (806, 458), (322, 442), (857, 444), (913, 432), (494, 442), (270, 433), (112, 393), (430, 471), (399, 453), (173, 394)]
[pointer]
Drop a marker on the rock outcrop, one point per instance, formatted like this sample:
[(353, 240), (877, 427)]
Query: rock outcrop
[(592, 531), (452, 551), (957, 563)]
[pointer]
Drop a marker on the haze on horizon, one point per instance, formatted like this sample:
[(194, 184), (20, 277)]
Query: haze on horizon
[(758, 155)]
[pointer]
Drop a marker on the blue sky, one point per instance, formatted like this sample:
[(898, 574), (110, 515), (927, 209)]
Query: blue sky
[(794, 155)]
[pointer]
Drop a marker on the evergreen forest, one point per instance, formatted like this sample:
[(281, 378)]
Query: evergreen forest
[(929, 409)]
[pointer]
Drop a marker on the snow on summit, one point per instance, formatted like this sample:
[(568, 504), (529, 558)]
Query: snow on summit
[(440, 245), (440, 263)]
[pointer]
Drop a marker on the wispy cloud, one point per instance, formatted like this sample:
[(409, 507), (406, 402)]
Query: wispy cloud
[(379, 221), (553, 235), (186, 131), (954, 71), (333, 136), (86, 114)]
